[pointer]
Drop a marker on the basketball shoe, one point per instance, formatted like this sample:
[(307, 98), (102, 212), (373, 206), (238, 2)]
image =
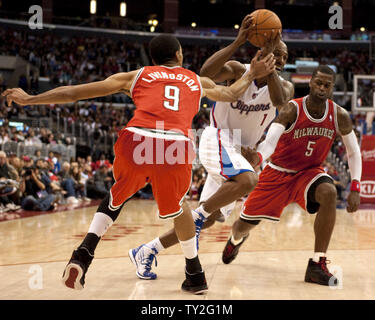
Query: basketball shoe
[(195, 283), (199, 220), (231, 251), (317, 272), (142, 257), (75, 271)]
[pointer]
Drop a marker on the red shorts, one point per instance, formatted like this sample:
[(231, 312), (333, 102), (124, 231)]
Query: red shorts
[(164, 163), (276, 189)]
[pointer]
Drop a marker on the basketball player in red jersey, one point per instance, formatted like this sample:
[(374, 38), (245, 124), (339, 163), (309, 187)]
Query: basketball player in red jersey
[(155, 145), (298, 142)]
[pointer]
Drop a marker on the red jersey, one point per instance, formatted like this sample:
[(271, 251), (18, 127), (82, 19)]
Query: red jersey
[(167, 95), (308, 141)]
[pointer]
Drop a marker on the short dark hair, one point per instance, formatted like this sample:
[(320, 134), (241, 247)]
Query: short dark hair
[(163, 48), (323, 68)]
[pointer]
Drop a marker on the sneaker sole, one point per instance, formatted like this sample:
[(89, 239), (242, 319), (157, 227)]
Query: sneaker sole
[(73, 273), (201, 290), (309, 280), (131, 257)]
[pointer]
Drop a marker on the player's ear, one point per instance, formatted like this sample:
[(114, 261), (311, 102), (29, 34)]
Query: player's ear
[(179, 55)]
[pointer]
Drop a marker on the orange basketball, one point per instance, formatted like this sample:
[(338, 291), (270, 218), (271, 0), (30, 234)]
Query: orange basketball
[(266, 26)]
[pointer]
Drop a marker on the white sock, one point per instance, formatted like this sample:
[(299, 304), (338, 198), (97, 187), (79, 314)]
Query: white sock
[(100, 224), (189, 248), (317, 256), (156, 244), (235, 242), (202, 211)]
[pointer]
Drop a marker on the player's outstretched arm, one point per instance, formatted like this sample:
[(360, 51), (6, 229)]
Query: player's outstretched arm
[(354, 157), (217, 67), (66, 94), (286, 117), (258, 68)]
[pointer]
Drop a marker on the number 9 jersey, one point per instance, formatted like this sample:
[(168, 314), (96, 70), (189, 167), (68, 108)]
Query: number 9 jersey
[(166, 98), (307, 142)]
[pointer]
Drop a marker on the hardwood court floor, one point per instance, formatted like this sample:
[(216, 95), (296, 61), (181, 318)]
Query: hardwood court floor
[(271, 264)]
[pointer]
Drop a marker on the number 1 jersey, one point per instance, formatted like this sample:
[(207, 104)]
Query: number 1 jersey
[(166, 98), (307, 142)]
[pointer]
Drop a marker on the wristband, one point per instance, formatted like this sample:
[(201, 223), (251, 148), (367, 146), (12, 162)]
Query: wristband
[(260, 158), (355, 186)]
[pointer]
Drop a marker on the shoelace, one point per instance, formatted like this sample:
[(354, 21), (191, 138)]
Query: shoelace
[(323, 263), (148, 262)]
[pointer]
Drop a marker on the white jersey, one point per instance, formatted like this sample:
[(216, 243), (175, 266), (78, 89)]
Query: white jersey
[(252, 114)]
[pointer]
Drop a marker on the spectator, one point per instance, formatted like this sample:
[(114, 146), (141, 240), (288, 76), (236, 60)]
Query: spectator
[(68, 184), (9, 187), (34, 191), (103, 181)]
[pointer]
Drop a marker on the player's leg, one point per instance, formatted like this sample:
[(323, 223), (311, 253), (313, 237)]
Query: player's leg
[(321, 198), (149, 250), (128, 181), (170, 184), (266, 202), (224, 163)]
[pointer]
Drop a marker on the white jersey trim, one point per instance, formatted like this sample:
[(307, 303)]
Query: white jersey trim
[(135, 80), (274, 166), (308, 114), (294, 123), (335, 107), (158, 134)]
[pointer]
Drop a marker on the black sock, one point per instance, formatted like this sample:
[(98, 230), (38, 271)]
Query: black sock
[(90, 242), (193, 265)]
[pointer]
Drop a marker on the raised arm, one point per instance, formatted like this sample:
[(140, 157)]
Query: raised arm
[(65, 94), (281, 91), (217, 67), (354, 157), (230, 94)]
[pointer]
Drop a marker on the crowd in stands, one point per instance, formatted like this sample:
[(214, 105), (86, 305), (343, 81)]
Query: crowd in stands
[(34, 182), (41, 183), (75, 59)]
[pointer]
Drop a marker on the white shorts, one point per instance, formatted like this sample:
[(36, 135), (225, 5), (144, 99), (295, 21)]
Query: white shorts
[(222, 160), (210, 187)]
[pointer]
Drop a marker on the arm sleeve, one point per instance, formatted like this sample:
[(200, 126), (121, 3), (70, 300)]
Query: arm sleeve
[(268, 146), (354, 155)]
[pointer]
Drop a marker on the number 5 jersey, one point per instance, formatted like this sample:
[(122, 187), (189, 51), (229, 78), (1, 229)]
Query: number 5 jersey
[(307, 141)]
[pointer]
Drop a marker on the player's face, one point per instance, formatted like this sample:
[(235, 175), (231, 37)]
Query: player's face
[(321, 86), (281, 55)]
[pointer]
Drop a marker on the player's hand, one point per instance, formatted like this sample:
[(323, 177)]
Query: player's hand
[(263, 67), (250, 155), (271, 45), (353, 201), (16, 95), (244, 29)]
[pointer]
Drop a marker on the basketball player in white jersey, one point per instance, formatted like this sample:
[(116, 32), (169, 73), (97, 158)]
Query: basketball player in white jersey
[(233, 125)]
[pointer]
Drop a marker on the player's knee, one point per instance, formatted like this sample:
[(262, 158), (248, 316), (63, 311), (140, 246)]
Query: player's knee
[(326, 193), (248, 182), (209, 222)]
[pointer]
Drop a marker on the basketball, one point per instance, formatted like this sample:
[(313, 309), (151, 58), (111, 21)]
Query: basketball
[(266, 26)]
